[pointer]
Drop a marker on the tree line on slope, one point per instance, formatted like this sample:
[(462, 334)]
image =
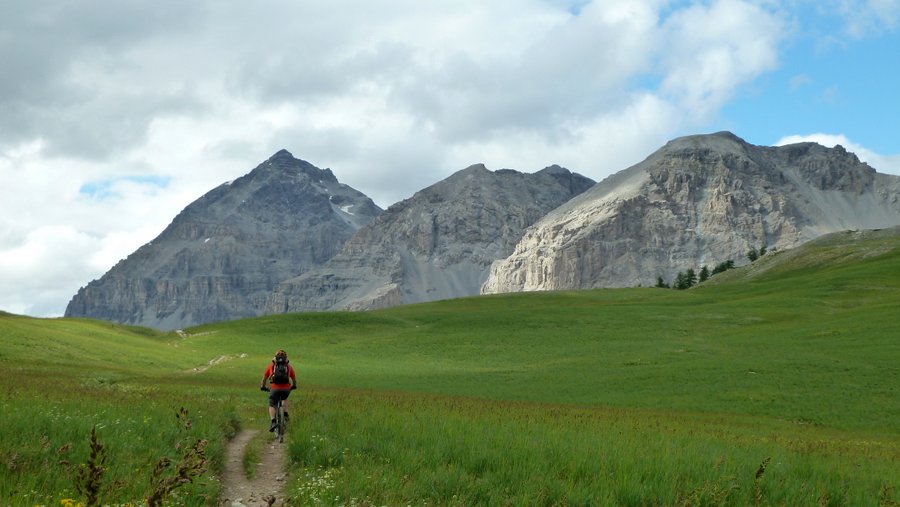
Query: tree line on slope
[(687, 279)]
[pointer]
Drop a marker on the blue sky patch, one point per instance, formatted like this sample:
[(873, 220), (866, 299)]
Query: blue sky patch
[(103, 189)]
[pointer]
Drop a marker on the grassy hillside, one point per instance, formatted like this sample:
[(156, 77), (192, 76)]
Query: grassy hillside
[(776, 383), (788, 341)]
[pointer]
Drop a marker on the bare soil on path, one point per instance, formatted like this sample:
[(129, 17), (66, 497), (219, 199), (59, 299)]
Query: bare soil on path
[(266, 488)]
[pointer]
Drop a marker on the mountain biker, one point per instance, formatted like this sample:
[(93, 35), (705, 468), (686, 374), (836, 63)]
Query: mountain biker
[(280, 387)]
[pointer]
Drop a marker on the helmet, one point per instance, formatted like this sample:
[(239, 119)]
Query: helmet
[(280, 356)]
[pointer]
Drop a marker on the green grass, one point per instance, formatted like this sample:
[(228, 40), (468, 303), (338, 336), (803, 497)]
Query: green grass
[(377, 449), (615, 397)]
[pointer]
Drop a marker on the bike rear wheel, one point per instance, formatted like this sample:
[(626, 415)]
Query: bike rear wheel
[(280, 424)]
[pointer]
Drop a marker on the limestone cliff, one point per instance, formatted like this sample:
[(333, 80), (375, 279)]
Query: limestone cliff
[(698, 200)]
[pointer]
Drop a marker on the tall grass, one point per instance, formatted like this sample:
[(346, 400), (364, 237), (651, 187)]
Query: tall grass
[(47, 425), (375, 448)]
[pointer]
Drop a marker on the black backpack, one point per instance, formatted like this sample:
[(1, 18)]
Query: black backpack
[(280, 371)]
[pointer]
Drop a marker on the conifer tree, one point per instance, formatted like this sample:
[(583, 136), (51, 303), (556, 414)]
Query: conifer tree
[(704, 274), (723, 266), (680, 283), (753, 254)]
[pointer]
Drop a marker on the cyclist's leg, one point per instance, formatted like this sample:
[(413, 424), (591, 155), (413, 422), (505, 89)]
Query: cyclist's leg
[(273, 401)]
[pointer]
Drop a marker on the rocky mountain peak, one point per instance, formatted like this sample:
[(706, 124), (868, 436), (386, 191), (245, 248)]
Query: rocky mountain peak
[(554, 169), (474, 169), (284, 164), (720, 142), (437, 244), (281, 154), (698, 200), (574, 182), (224, 253)]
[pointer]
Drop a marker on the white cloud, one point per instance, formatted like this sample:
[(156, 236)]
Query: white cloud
[(715, 48), (152, 104), (38, 272), (606, 144), (866, 17), (45, 268), (882, 163)]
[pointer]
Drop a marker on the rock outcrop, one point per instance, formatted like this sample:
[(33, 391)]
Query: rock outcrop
[(221, 257), (438, 244), (699, 200)]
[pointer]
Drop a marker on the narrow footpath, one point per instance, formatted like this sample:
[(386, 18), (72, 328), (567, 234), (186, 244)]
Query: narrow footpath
[(267, 487)]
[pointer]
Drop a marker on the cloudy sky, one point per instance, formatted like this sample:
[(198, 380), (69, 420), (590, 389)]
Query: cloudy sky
[(114, 115)]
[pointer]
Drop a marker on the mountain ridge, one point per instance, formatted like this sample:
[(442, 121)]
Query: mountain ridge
[(289, 236), (698, 200)]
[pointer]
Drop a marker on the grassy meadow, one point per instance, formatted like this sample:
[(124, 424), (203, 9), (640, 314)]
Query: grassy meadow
[(774, 384)]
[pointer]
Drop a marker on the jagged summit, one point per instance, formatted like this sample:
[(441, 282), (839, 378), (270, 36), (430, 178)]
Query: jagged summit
[(719, 142), (713, 138), (283, 159), (553, 169), (725, 142), (283, 162), (474, 168), (281, 154)]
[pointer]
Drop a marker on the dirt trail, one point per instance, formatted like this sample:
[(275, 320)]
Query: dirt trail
[(267, 486)]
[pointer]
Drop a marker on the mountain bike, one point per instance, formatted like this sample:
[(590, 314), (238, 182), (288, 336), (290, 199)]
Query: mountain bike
[(280, 421)]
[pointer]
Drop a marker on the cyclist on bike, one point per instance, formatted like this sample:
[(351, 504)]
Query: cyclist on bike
[(283, 381)]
